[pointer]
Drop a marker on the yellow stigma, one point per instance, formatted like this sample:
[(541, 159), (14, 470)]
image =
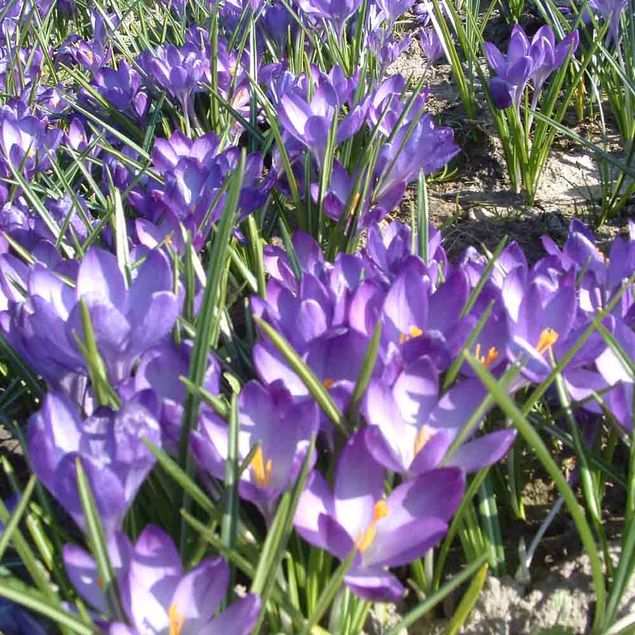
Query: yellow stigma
[(261, 469), (176, 620), (328, 383), (365, 540), (547, 339), (413, 331), (489, 359), (356, 200), (423, 436)]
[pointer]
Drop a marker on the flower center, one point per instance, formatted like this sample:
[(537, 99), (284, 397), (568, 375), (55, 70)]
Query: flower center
[(261, 469), (176, 620), (423, 436), (548, 337), (413, 331), (366, 538), (489, 359), (328, 383)]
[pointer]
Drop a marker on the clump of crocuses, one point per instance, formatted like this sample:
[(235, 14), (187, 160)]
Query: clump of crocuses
[(526, 61)]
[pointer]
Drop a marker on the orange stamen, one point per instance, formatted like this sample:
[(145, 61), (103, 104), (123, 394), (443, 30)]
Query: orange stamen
[(176, 620), (328, 383), (486, 360), (413, 331), (261, 469), (547, 339), (423, 436), (365, 540)]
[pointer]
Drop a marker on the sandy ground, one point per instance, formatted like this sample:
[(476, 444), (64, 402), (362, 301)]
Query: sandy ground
[(559, 604)]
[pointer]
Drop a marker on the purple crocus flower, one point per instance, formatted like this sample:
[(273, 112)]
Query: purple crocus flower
[(621, 399), (419, 323), (431, 45), (335, 11), (126, 321), (122, 88), (422, 147), (411, 429), (158, 596), (310, 122), (109, 445), (549, 56), (167, 153), (91, 55), (178, 71), (610, 10), (526, 61), (159, 370), (384, 531), (513, 71), (540, 319), (25, 142), (281, 430), (392, 9), (194, 172)]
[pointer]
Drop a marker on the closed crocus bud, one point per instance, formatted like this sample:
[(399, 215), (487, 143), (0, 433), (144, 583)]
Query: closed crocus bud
[(513, 70), (610, 10), (431, 45), (548, 56)]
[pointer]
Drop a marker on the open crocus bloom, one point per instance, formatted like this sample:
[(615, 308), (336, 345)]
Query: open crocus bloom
[(158, 597), (411, 429), (541, 316), (385, 531), (278, 428)]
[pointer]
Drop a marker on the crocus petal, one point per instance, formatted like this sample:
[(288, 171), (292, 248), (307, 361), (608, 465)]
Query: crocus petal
[(431, 454), (155, 571), (238, 619), (403, 544), (406, 305), (316, 500), (201, 591), (359, 484), (337, 540), (381, 450), (501, 93), (416, 391), (494, 57), (457, 405), (81, 569), (99, 277), (535, 366), (375, 584), (479, 453)]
